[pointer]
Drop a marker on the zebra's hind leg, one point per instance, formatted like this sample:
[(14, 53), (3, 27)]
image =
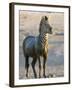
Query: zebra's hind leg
[(26, 65), (33, 67)]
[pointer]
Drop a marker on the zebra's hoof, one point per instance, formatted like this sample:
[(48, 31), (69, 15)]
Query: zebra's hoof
[(44, 76), (26, 75), (35, 76), (39, 76)]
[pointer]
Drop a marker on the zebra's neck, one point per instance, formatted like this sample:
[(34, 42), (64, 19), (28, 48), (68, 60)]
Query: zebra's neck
[(43, 39)]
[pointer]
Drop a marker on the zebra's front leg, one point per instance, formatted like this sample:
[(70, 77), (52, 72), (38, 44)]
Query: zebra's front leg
[(39, 67), (44, 65), (33, 67)]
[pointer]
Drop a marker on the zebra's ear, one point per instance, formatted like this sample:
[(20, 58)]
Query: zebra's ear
[(46, 18), (43, 20)]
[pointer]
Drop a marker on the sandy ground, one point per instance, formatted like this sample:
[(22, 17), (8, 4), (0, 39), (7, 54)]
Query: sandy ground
[(51, 72), (29, 25)]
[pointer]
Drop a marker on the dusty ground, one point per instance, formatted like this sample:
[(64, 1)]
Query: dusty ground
[(51, 72)]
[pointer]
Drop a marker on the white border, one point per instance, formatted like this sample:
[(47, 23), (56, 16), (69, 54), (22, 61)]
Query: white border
[(16, 42)]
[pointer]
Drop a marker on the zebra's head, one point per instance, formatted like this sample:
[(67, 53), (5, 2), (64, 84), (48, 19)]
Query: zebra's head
[(45, 26)]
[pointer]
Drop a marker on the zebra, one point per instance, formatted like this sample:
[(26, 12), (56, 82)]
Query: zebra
[(37, 47)]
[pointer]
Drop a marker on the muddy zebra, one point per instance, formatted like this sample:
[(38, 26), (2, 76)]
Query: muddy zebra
[(37, 47)]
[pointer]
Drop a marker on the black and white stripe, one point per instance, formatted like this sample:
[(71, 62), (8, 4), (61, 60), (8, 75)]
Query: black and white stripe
[(43, 40)]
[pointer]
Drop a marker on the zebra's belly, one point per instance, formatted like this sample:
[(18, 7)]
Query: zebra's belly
[(33, 48), (42, 51)]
